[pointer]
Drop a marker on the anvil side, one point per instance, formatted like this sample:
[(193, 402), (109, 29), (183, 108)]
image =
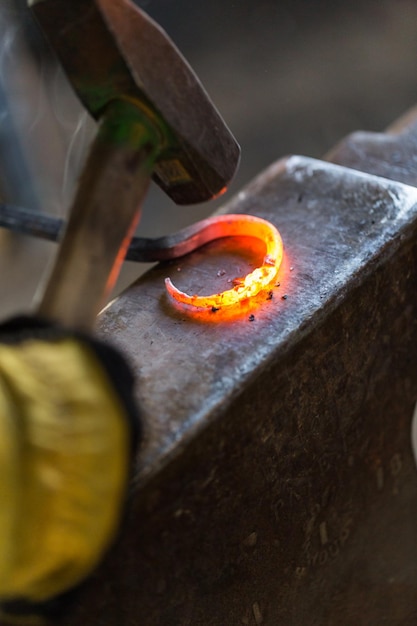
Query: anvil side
[(277, 483)]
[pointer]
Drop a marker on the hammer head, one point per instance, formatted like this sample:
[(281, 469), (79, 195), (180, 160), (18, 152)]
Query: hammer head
[(110, 50)]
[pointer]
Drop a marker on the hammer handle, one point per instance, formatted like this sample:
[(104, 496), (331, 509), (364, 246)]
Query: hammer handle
[(103, 217)]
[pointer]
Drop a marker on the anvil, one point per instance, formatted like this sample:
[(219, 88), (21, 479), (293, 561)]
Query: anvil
[(277, 483)]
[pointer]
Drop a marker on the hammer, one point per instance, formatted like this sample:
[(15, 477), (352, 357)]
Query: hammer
[(155, 120)]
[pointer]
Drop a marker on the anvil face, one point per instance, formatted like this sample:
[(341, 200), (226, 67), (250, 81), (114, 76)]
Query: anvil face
[(334, 223), (277, 483)]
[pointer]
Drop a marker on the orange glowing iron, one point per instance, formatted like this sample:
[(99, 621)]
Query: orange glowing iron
[(252, 284)]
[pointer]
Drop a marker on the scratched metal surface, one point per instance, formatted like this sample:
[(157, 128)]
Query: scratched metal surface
[(189, 371), (277, 484), (392, 154)]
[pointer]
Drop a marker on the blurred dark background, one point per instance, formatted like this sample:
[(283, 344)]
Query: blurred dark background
[(290, 76)]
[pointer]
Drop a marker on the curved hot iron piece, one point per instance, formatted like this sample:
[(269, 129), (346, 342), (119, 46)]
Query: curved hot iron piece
[(176, 245), (260, 279)]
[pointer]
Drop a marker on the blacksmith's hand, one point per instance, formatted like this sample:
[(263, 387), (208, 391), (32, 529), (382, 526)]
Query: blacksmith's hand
[(67, 433)]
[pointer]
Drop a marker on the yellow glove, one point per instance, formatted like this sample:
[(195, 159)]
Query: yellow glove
[(65, 451)]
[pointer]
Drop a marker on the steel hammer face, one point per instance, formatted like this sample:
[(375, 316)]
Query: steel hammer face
[(112, 50)]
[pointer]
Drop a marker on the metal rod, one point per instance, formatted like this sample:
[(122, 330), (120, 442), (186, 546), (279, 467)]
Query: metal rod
[(140, 250), (27, 222)]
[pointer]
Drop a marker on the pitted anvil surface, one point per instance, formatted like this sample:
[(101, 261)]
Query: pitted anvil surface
[(328, 249), (392, 154), (277, 483)]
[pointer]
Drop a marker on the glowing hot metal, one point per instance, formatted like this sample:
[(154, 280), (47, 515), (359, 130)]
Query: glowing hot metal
[(255, 282)]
